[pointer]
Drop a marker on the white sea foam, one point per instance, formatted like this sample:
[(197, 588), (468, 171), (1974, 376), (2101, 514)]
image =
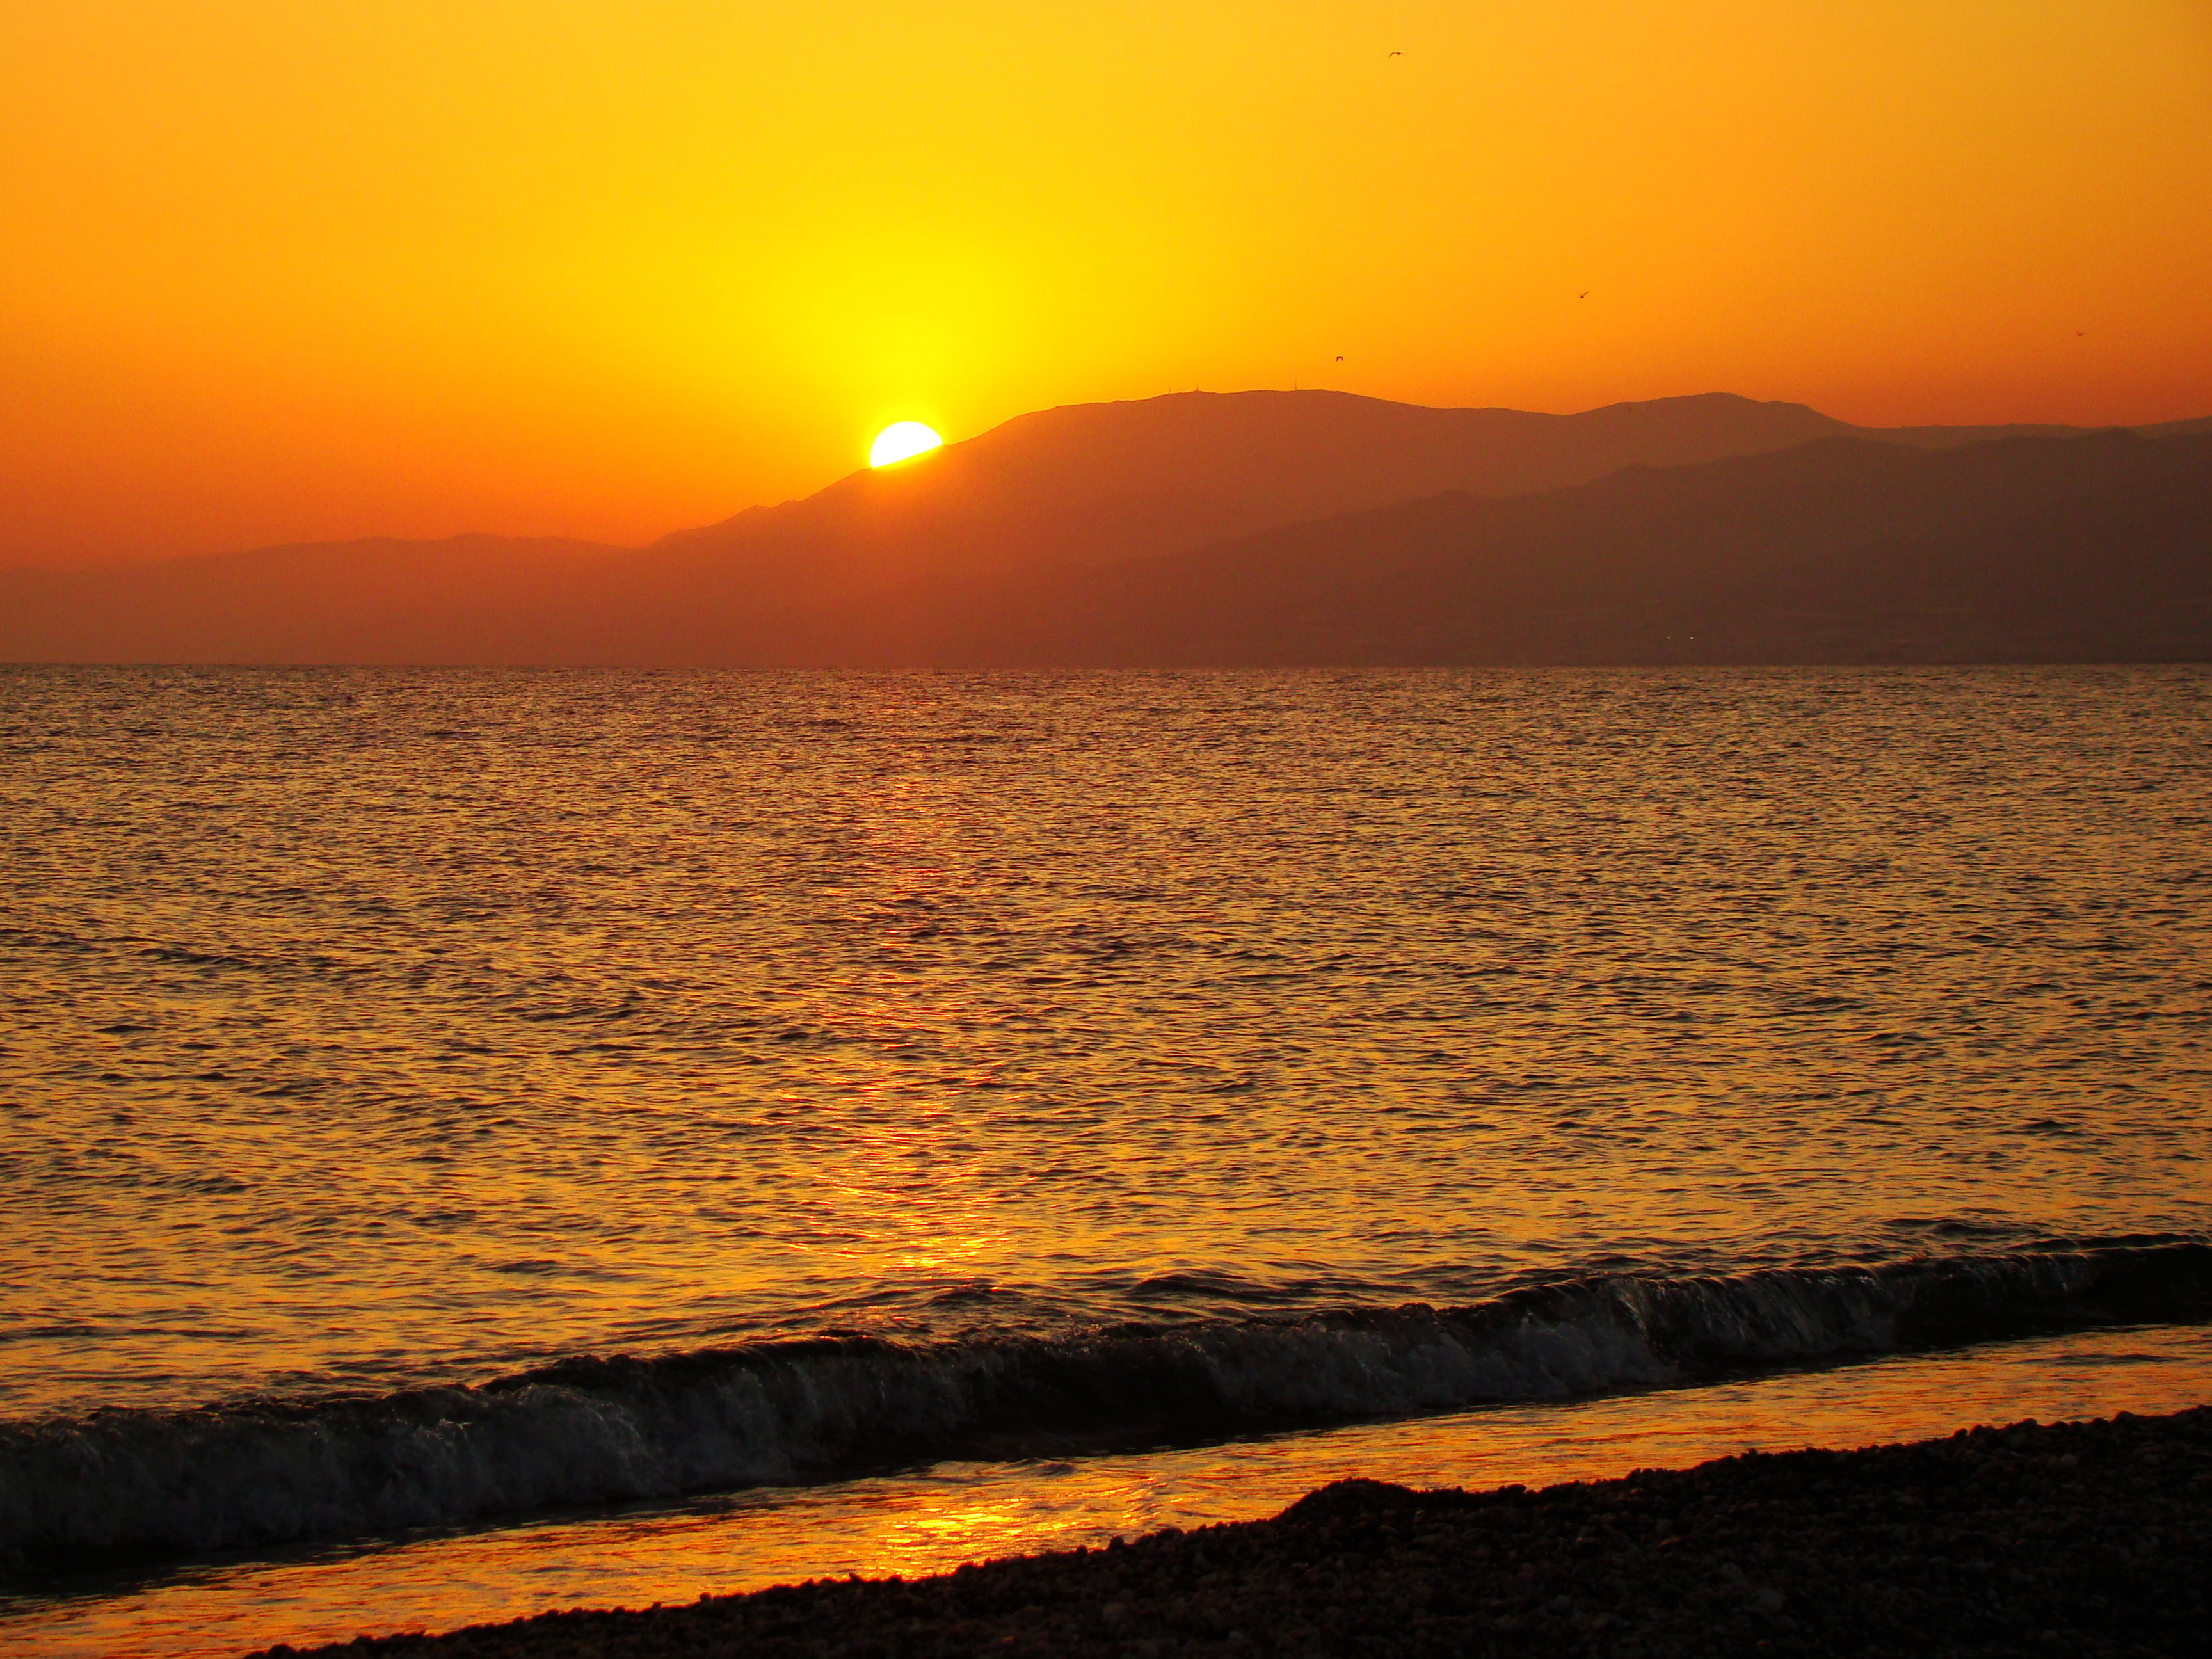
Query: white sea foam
[(585, 1430)]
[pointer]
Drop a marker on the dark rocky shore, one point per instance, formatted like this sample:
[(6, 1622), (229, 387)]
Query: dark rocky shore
[(2090, 1538)]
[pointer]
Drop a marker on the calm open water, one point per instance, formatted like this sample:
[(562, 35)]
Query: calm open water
[(1123, 1052)]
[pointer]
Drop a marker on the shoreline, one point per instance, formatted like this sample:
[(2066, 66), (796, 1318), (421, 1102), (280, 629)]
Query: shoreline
[(154, 1484), (2089, 1537)]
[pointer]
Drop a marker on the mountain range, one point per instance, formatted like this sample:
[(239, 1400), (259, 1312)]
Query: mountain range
[(1278, 528)]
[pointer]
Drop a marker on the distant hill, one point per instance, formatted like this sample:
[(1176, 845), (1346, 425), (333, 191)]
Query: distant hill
[(463, 599), (2087, 549), (971, 552), (1094, 483)]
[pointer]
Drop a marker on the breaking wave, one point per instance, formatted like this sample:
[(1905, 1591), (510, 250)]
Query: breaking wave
[(148, 1484)]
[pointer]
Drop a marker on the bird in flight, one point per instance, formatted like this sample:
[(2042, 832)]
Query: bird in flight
[(1397, 54), (1340, 356), (1584, 294)]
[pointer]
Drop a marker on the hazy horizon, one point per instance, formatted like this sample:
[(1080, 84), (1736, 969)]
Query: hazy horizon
[(1278, 528)]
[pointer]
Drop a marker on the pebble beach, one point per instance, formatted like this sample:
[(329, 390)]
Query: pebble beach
[(2076, 1538)]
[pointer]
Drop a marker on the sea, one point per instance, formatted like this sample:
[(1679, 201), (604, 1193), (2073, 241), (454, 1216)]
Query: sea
[(475, 1142)]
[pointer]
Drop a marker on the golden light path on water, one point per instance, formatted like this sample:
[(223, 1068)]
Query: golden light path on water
[(372, 1030), (932, 1521)]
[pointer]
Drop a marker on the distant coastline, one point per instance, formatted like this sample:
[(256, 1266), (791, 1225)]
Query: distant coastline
[(1273, 530)]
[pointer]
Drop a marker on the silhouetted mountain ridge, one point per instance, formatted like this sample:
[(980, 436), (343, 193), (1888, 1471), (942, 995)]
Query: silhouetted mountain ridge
[(2096, 548), (1095, 484), (1193, 528)]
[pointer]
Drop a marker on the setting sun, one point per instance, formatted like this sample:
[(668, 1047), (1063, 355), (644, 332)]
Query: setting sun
[(1331, 883), (900, 441)]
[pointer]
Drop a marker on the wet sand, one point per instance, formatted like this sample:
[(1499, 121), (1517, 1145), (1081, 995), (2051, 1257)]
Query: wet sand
[(2086, 1537)]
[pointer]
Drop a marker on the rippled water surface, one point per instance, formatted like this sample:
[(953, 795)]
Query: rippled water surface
[(361, 1028)]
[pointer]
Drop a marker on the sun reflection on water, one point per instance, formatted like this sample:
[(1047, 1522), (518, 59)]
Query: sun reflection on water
[(513, 1016)]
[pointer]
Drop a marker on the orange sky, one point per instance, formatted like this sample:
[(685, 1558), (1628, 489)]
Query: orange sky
[(279, 271)]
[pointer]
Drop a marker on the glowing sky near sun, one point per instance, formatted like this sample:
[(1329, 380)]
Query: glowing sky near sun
[(278, 271)]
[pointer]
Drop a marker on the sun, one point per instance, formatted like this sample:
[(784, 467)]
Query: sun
[(899, 441)]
